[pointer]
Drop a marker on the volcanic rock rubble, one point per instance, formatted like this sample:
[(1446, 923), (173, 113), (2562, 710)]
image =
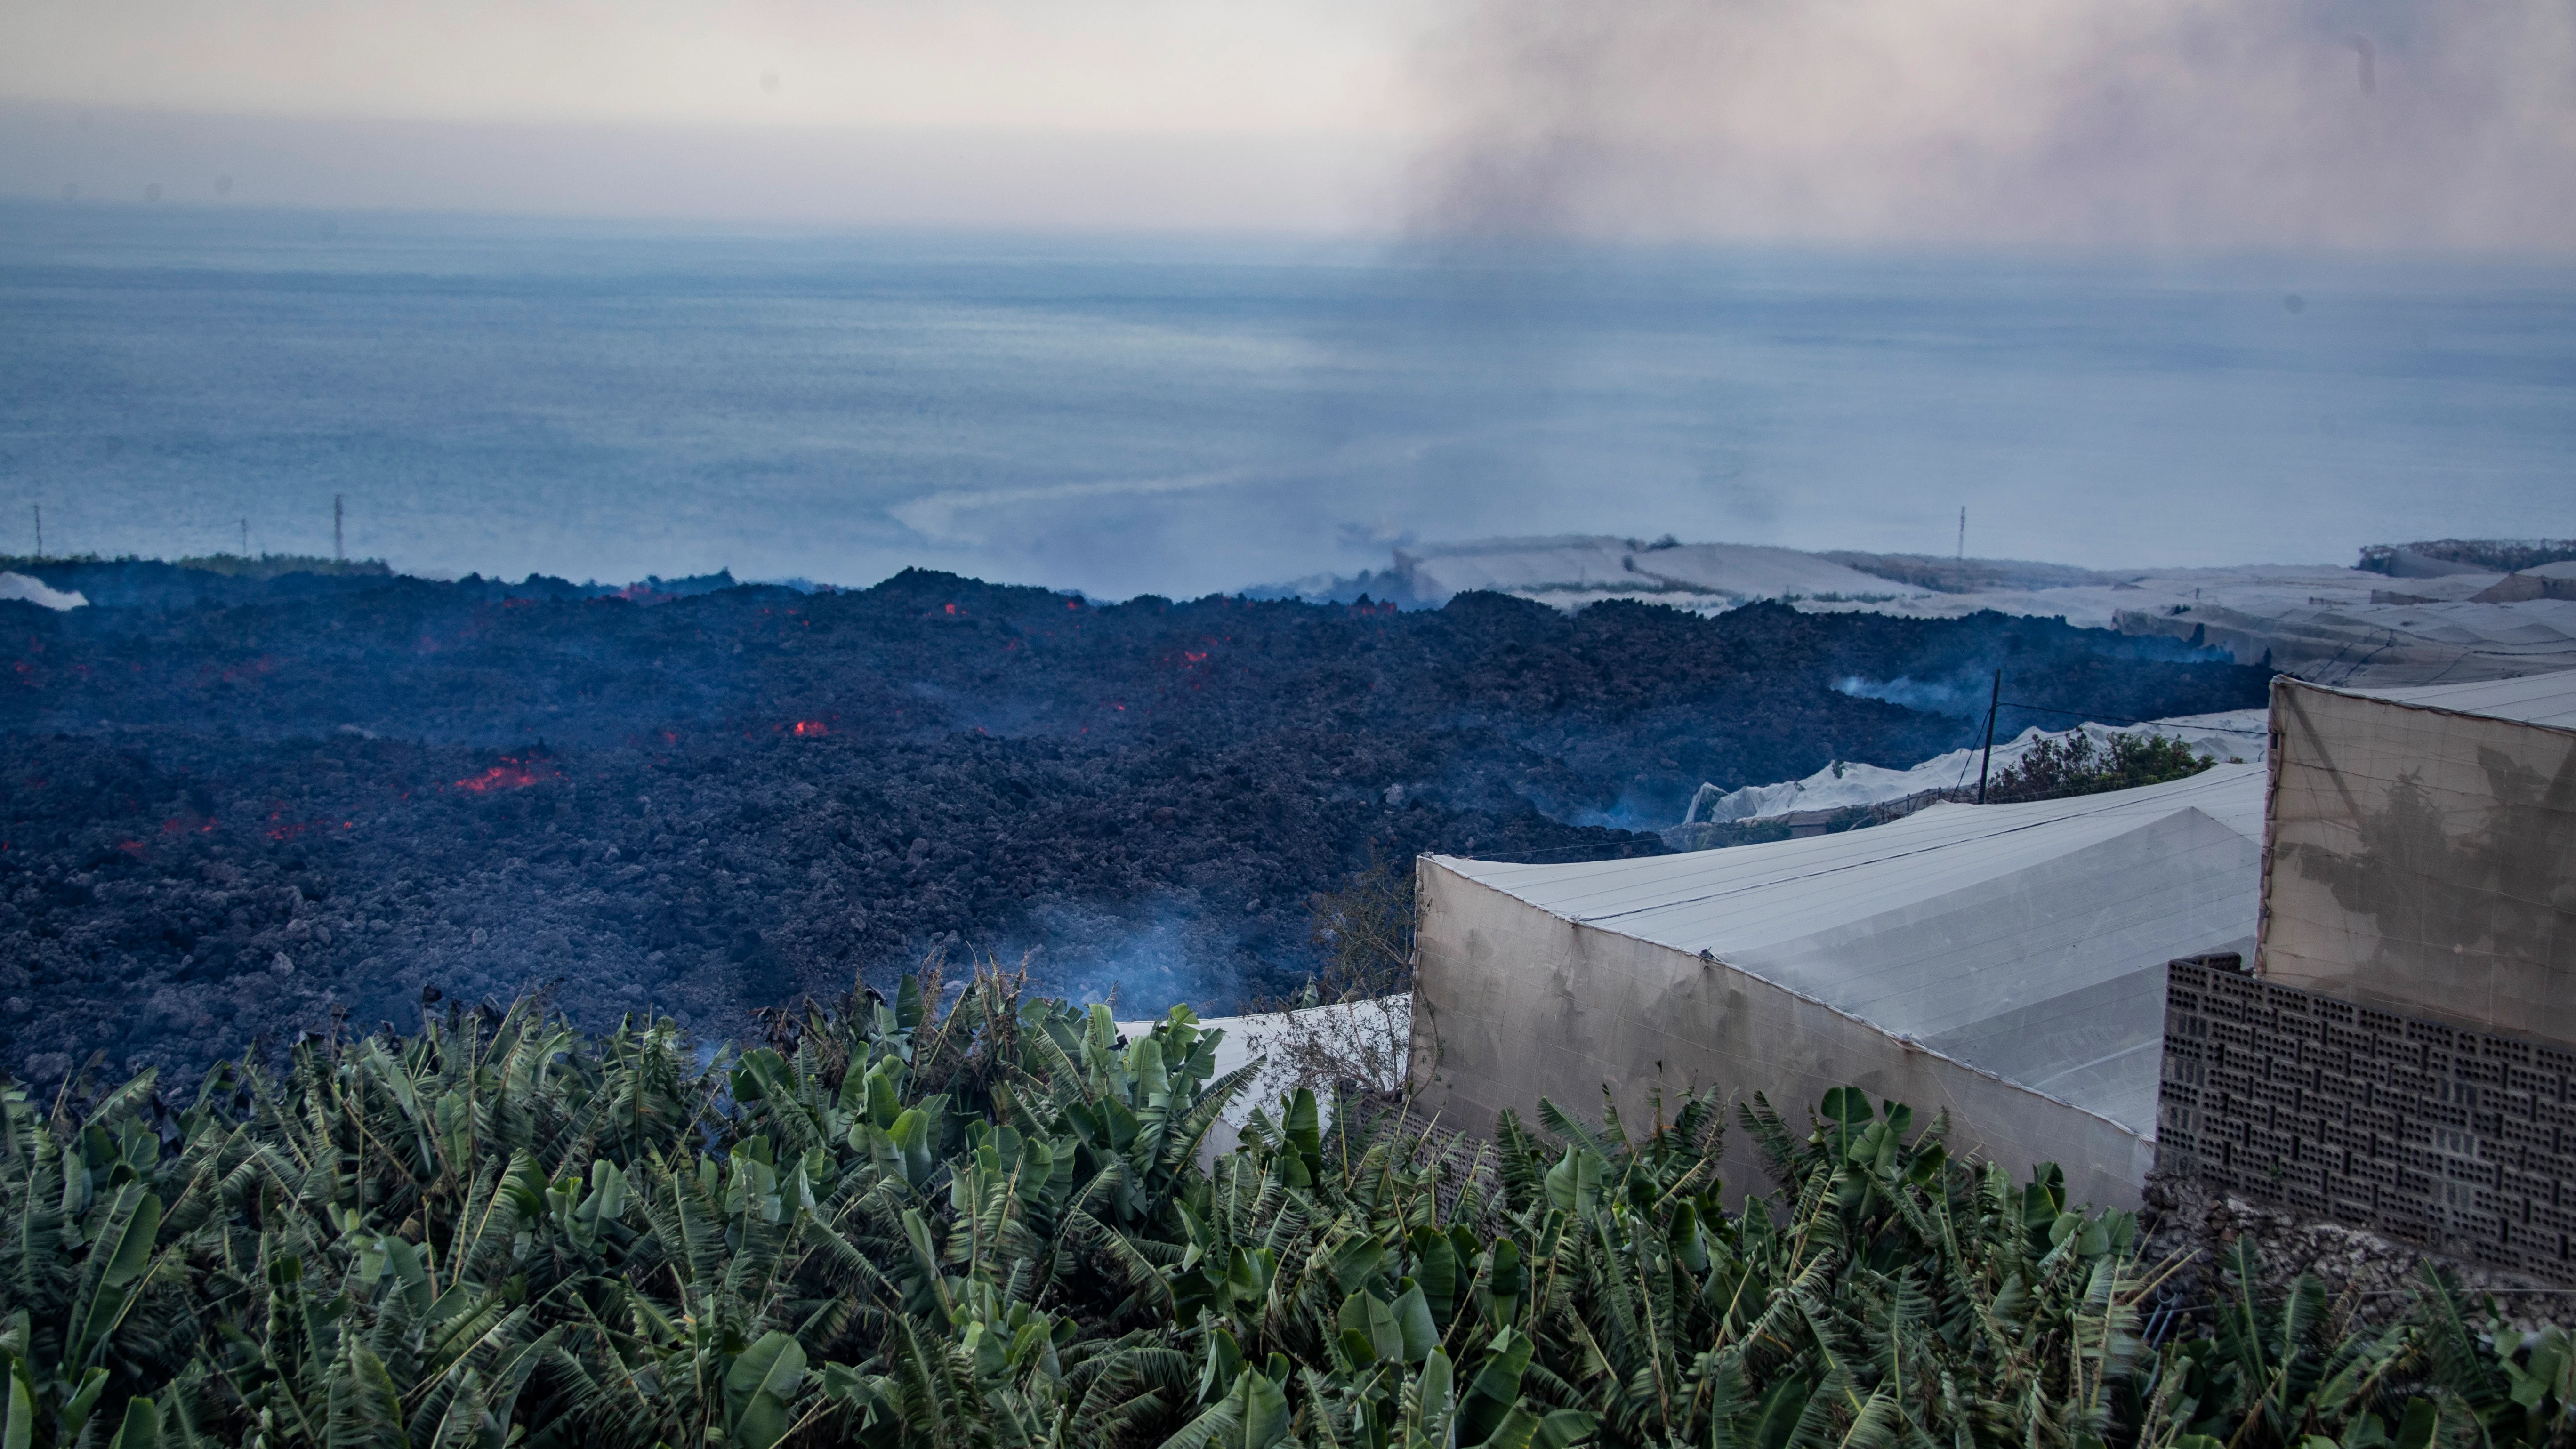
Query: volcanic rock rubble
[(232, 815)]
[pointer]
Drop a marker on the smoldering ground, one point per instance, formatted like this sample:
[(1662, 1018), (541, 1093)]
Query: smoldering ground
[(233, 819)]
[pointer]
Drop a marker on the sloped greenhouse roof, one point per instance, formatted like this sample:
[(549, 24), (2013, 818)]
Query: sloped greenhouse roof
[(2025, 939), (2548, 699)]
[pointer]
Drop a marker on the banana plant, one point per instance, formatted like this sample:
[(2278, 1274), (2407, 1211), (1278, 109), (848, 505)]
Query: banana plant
[(91, 1295), (1136, 1112), (986, 1224)]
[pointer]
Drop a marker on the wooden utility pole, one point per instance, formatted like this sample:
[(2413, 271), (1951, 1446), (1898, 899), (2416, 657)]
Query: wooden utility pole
[(40, 528), (339, 554)]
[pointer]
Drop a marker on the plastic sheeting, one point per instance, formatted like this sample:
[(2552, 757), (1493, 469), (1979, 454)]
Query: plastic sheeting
[(1577, 569), (2422, 850), (2232, 736), (2004, 962), (1256, 1039), (1258, 1036), (2343, 626)]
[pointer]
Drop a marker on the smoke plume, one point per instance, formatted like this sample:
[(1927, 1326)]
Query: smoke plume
[(2199, 123)]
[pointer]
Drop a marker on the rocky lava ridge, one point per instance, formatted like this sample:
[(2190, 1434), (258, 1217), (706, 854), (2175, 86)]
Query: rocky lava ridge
[(233, 815)]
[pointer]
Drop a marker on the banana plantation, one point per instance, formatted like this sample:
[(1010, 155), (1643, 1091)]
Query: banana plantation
[(985, 1224)]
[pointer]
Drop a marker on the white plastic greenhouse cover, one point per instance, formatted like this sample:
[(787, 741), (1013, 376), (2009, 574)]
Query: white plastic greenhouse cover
[(2536, 699), (2422, 856), (1246, 1039), (2004, 959)]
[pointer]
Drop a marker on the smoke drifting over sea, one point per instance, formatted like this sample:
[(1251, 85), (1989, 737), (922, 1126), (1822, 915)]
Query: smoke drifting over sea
[(2200, 123), (1175, 414), (2203, 123)]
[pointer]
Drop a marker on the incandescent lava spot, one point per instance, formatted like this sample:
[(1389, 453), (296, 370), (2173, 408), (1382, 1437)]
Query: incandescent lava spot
[(512, 773), (282, 828)]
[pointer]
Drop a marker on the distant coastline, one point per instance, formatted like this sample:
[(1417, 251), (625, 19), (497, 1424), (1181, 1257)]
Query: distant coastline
[(1137, 415)]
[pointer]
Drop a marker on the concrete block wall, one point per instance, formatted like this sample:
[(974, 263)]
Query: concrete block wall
[(2457, 1140)]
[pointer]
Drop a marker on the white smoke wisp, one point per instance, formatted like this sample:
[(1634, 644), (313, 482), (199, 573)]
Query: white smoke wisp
[(35, 591), (2168, 123)]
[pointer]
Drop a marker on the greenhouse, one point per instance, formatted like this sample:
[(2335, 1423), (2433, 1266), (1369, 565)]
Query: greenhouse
[(2005, 962), (2423, 850)]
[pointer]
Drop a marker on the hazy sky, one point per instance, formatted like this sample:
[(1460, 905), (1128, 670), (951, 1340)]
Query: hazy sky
[(2210, 123)]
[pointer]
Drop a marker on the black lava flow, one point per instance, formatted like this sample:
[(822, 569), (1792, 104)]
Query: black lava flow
[(234, 811)]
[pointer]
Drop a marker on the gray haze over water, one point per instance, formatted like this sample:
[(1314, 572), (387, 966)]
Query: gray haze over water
[(609, 400), (2212, 124)]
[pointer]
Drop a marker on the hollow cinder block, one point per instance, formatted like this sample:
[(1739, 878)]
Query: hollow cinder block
[(2455, 1139)]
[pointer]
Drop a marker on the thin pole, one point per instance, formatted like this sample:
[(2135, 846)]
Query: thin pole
[(245, 538), (1993, 702), (40, 528), (1963, 532), (338, 553)]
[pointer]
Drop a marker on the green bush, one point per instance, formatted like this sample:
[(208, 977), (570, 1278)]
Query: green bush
[(2052, 769), (985, 1228)]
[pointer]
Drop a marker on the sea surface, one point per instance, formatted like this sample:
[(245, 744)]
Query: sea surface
[(1187, 416)]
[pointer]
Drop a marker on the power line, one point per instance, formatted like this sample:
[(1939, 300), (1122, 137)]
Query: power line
[(2116, 720), (1999, 704), (2110, 806), (1848, 865)]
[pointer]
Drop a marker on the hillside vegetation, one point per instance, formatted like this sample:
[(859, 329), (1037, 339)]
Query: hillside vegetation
[(985, 1228)]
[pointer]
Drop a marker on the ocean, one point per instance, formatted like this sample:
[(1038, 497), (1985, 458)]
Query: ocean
[(1185, 416)]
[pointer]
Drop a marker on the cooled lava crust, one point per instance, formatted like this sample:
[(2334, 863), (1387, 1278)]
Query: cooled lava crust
[(232, 809)]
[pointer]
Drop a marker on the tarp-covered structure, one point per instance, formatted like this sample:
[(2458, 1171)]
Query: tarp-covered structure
[(2002, 962), (2421, 855)]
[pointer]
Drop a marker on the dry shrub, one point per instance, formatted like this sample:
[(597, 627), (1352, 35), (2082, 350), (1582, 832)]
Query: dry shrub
[(1351, 1028)]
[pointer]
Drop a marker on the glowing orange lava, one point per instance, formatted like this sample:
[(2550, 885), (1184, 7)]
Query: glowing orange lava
[(510, 774)]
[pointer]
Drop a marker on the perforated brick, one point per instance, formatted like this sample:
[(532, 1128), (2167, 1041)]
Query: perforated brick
[(2459, 1140)]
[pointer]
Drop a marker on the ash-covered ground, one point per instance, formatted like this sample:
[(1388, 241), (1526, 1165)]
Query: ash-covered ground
[(233, 806)]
